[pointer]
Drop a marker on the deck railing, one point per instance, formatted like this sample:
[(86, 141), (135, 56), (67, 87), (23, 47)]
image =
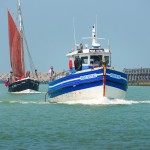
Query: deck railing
[(61, 74)]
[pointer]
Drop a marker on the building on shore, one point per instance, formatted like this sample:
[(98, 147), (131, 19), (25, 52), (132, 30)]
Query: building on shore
[(138, 76)]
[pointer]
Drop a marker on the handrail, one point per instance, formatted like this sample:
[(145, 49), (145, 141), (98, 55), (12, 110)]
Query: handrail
[(46, 95), (61, 74), (57, 76)]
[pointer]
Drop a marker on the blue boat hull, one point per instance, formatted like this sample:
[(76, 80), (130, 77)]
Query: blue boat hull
[(91, 84)]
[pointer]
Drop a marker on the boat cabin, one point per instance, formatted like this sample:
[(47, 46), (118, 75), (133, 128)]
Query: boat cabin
[(88, 57)]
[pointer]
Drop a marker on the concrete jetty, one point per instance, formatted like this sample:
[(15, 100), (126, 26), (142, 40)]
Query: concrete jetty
[(138, 76)]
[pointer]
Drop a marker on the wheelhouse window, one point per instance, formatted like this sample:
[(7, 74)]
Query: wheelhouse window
[(107, 59), (95, 60), (84, 60)]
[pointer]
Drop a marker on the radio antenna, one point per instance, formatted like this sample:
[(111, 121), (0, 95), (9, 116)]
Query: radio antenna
[(96, 25), (74, 33), (108, 44)]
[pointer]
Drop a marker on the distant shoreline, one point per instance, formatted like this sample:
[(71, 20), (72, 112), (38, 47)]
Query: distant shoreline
[(43, 77)]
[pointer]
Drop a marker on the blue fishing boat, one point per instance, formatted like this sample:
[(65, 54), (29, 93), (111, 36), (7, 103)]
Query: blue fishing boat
[(90, 75)]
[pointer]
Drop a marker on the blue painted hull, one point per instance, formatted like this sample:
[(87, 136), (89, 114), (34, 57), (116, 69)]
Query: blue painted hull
[(111, 85)]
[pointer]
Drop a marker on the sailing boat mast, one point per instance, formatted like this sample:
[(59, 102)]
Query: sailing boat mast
[(19, 15), (21, 32)]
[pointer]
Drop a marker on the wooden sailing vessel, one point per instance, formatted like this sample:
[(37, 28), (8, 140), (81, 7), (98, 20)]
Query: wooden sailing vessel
[(20, 79)]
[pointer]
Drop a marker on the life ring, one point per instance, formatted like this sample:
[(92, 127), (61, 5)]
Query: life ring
[(70, 64)]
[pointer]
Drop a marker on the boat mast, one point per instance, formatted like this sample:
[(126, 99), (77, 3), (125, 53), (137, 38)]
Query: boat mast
[(20, 18), (93, 36), (21, 32)]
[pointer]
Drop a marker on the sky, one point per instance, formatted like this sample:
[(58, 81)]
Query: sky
[(50, 34)]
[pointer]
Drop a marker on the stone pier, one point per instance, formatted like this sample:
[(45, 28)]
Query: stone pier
[(138, 76), (42, 77)]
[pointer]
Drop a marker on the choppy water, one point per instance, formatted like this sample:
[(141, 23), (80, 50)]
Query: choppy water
[(27, 122)]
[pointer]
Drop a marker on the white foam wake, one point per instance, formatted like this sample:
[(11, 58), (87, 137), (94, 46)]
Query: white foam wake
[(106, 101), (23, 102), (103, 101), (28, 91)]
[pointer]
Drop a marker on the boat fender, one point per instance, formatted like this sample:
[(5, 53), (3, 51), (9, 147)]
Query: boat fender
[(70, 64)]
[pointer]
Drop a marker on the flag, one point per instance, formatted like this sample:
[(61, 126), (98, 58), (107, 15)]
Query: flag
[(6, 83)]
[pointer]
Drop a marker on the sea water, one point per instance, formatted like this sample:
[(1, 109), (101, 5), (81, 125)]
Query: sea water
[(27, 122)]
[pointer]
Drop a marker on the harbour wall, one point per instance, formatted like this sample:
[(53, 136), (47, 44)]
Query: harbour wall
[(138, 76), (43, 77)]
